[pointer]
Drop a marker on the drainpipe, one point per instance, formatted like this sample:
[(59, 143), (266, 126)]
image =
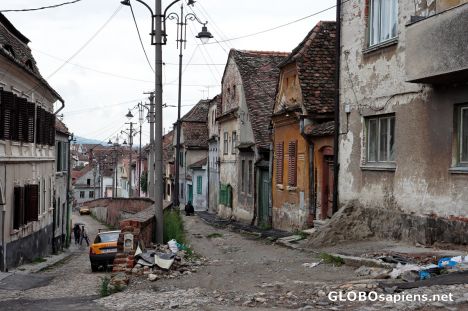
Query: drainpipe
[(63, 106), (208, 177), (68, 235), (270, 193), (3, 210), (312, 204), (336, 164)]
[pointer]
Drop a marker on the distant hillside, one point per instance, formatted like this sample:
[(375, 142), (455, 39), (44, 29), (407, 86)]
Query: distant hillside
[(83, 140)]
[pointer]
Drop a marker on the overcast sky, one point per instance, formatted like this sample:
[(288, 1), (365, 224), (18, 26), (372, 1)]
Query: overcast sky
[(109, 75)]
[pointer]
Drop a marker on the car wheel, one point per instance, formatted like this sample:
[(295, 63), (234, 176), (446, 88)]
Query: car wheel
[(94, 267)]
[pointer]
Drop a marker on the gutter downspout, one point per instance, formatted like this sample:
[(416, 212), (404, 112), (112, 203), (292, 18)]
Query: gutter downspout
[(68, 235), (60, 109), (3, 211), (312, 202), (336, 164)]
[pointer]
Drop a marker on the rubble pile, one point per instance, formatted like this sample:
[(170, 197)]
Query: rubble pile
[(161, 262)]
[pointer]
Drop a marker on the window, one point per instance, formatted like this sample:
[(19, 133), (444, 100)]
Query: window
[(181, 190), (380, 139), (181, 158), (382, 20), (234, 142), (279, 155), (91, 194), (243, 176), (292, 163), (82, 194), (88, 182), (199, 184), (249, 184), (226, 143), (462, 132), (25, 204)]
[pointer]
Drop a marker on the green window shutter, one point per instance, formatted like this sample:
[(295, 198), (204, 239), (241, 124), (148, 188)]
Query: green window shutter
[(228, 196), (199, 184)]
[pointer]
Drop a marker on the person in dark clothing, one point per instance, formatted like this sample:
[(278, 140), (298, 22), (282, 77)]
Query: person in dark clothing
[(189, 210), (76, 233)]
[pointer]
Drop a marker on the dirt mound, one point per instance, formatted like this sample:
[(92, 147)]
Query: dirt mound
[(349, 223)]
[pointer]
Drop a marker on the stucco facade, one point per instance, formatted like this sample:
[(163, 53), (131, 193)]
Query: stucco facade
[(422, 175), (27, 153)]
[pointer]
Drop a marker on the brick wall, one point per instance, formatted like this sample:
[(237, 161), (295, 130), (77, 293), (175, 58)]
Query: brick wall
[(117, 206)]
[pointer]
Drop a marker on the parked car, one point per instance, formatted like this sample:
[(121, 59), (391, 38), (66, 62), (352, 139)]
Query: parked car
[(85, 211), (103, 250)]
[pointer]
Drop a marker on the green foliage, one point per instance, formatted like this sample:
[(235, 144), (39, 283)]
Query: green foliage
[(214, 235), (330, 259), (301, 233), (104, 288), (173, 226), (144, 181), (38, 260)]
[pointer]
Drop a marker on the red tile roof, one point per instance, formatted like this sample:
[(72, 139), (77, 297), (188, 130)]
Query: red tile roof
[(61, 127), (323, 129), (195, 127), (315, 61), (259, 72)]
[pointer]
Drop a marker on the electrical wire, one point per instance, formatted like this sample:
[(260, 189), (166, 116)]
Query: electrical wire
[(139, 37), (42, 8), (279, 26)]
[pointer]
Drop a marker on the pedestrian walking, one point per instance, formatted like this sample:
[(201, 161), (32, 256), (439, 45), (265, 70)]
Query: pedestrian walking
[(84, 236), (189, 210), (76, 233)]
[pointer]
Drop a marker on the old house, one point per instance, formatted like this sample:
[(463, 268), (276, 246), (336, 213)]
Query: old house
[(27, 151), (62, 208), (403, 143), (168, 166), (248, 94), (213, 156), (303, 130), (193, 150), (85, 184)]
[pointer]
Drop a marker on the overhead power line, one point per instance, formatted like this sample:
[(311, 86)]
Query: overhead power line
[(277, 27), (42, 8), (139, 37)]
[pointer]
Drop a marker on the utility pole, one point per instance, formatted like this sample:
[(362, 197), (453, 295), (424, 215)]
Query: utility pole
[(158, 181), (150, 179), (140, 120)]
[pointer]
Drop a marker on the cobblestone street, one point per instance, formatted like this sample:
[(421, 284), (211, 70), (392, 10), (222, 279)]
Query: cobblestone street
[(236, 272), (72, 287)]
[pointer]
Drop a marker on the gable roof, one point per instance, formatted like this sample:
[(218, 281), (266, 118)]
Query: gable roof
[(259, 72), (199, 113), (12, 38), (315, 61), (323, 129)]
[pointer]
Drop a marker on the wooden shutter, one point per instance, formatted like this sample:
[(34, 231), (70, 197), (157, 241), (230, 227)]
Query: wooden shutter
[(2, 116), (22, 107), (292, 163), (32, 201), (279, 162), (10, 131), (18, 207)]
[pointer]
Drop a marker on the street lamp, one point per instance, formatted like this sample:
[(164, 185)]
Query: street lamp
[(159, 38), (204, 36), (115, 145), (130, 134)]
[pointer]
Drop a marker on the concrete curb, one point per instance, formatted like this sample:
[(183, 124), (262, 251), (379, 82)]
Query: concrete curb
[(50, 261)]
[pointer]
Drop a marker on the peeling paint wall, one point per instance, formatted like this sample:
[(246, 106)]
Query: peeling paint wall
[(422, 181)]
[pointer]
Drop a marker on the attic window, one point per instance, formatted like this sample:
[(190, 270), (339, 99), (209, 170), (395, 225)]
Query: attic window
[(29, 64), (9, 49)]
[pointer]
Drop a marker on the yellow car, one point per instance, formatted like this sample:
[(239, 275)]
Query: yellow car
[(103, 250), (85, 211)]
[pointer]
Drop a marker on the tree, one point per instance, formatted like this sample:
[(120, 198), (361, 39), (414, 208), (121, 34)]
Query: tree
[(144, 181)]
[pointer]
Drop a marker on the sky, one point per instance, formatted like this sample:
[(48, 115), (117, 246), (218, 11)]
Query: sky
[(108, 73)]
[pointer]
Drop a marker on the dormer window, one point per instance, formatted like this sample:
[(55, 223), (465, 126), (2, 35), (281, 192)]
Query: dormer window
[(29, 64), (9, 49)]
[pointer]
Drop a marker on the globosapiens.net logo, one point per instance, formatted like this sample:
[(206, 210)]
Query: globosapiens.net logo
[(373, 296)]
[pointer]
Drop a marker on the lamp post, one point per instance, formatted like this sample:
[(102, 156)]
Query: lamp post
[(181, 40), (159, 38), (115, 146), (130, 134)]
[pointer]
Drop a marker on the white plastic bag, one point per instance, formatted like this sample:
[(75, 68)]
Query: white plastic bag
[(173, 246)]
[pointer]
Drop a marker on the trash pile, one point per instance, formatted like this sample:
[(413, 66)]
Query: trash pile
[(165, 261), (411, 272)]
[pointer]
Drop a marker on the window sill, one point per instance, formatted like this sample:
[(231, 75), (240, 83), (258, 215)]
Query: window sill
[(291, 188), (279, 187), (388, 168), (380, 45), (458, 170)]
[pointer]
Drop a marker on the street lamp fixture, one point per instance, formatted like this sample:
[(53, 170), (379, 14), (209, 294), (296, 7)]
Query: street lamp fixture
[(158, 39), (129, 115), (204, 35)]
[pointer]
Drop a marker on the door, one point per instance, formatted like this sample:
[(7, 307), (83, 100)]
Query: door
[(190, 193), (327, 187), (264, 194)]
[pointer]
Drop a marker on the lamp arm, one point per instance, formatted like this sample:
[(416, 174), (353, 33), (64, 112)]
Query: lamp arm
[(193, 17)]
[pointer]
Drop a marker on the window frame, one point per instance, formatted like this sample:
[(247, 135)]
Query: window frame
[(233, 142), (459, 135), (226, 143), (371, 32), (377, 159)]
